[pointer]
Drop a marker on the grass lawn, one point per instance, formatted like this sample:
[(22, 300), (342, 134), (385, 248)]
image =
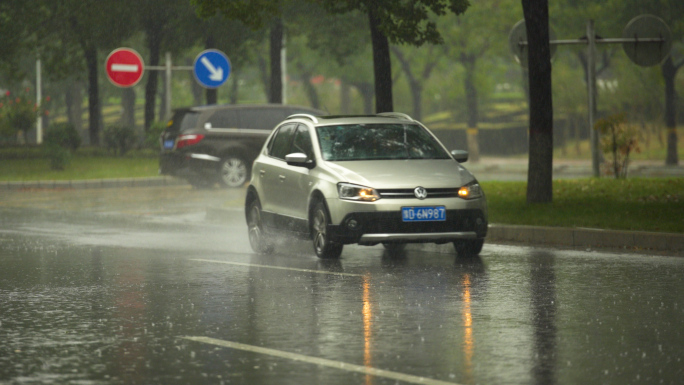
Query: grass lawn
[(645, 204), (81, 167)]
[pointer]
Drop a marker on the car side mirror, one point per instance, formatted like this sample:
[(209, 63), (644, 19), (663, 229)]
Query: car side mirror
[(299, 159), (460, 156)]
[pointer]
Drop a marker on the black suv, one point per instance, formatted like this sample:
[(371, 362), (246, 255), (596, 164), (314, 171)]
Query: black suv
[(218, 143)]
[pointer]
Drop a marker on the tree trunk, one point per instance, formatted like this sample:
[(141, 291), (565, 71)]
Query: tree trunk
[(414, 85), (540, 169), (669, 71), (195, 87), (345, 98), (93, 95), (162, 100), (128, 106), (382, 67), (210, 93), (276, 47), (310, 90), (366, 91), (154, 45), (234, 89), (73, 99), (473, 110)]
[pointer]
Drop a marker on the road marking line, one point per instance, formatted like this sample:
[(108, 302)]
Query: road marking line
[(320, 361), (276, 267)]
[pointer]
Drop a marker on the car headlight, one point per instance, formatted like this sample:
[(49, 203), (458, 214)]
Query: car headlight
[(470, 191), (357, 193)]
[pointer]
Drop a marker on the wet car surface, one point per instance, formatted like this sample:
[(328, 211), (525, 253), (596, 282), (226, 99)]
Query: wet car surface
[(98, 288)]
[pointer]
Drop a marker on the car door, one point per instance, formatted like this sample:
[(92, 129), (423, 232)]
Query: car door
[(270, 169), (297, 181)]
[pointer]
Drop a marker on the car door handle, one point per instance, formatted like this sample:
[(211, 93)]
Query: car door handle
[(262, 173), (282, 178)]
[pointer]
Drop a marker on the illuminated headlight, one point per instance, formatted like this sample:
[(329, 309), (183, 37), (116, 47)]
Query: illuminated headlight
[(357, 193), (470, 191)]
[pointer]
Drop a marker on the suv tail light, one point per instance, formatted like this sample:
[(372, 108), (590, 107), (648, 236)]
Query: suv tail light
[(188, 140)]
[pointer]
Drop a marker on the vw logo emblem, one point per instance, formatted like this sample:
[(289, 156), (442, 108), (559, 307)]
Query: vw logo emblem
[(420, 192)]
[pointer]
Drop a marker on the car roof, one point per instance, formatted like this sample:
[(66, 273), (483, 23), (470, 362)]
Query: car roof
[(327, 120), (250, 106)]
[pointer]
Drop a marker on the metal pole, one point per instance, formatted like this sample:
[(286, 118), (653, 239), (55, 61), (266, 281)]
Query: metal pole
[(283, 66), (167, 113), (39, 97), (591, 88)]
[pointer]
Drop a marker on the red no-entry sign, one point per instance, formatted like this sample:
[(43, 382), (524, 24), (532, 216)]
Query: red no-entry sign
[(124, 67)]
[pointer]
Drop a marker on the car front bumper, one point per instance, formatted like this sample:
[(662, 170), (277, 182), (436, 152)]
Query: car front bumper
[(370, 228)]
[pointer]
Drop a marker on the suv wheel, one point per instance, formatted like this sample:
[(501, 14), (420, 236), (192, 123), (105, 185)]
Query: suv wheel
[(468, 247), (322, 245), (258, 239), (233, 171)]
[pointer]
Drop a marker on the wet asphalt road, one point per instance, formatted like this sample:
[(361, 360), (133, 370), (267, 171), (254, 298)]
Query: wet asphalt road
[(134, 286)]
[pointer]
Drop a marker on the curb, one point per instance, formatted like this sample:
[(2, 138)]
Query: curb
[(577, 238), (93, 183), (562, 237), (582, 238)]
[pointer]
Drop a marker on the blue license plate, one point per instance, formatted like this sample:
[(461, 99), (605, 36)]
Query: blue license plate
[(168, 144), (423, 214)]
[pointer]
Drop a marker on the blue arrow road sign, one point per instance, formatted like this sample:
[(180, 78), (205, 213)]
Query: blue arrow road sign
[(212, 68)]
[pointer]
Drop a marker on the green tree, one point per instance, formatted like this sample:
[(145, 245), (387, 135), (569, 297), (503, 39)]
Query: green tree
[(396, 22), (256, 14), (94, 26), (469, 38)]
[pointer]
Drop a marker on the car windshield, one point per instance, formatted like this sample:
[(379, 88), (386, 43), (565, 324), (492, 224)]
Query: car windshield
[(378, 142)]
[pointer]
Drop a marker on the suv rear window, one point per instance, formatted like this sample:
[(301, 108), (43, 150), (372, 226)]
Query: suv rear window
[(262, 118), (189, 121), (224, 119)]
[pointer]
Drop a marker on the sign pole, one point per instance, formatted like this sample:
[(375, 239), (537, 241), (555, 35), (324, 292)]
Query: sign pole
[(646, 40), (591, 90), (39, 96), (167, 95)]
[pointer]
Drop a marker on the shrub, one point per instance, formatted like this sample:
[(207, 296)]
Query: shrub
[(63, 135), (152, 135), (619, 139), (119, 139), (59, 156), (59, 141)]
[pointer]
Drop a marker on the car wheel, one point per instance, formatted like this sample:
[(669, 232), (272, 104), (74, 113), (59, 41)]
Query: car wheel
[(468, 247), (258, 239), (322, 245), (233, 171)]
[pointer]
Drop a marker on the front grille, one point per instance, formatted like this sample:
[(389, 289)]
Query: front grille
[(408, 193)]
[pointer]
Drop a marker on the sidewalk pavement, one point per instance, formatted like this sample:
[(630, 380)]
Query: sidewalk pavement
[(488, 168)]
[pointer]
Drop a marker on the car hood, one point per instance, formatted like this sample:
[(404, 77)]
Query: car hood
[(384, 174)]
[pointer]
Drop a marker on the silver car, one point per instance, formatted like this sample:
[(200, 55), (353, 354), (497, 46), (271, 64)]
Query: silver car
[(362, 179)]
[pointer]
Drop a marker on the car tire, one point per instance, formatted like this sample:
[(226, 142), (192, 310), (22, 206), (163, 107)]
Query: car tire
[(258, 239), (323, 246), (233, 171), (468, 247)]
